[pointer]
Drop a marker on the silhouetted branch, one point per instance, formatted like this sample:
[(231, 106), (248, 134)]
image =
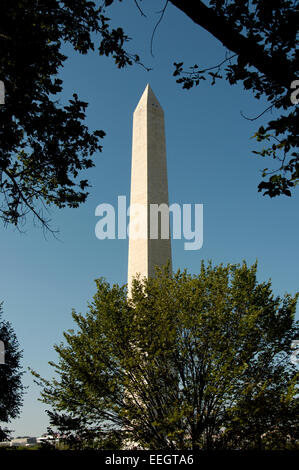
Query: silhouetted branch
[(261, 114), (157, 24), (42, 220), (138, 6), (250, 51)]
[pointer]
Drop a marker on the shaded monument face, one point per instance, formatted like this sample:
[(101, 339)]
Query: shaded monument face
[(149, 190)]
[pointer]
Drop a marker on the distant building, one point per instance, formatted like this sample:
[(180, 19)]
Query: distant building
[(20, 441), (46, 438)]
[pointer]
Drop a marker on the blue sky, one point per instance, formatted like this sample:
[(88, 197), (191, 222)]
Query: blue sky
[(209, 162)]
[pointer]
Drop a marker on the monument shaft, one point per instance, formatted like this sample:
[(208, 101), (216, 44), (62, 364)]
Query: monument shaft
[(148, 186)]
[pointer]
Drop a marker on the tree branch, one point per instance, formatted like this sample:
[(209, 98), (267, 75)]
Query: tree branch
[(250, 52), (27, 204), (157, 24), (259, 115), (138, 6)]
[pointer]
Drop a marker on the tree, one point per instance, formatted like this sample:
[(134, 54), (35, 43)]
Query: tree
[(198, 361), (79, 434), (43, 145), (11, 387), (261, 38)]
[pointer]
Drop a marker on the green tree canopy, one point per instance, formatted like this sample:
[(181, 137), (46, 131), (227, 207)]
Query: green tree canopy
[(189, 361), (11, 388)]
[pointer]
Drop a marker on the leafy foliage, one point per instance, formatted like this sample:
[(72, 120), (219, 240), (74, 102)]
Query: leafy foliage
[(79, 434), (262, 39), (43, 145), (11, 388), (188, 361)]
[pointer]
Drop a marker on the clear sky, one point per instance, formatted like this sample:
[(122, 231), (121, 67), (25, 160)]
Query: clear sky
[(209, 162)]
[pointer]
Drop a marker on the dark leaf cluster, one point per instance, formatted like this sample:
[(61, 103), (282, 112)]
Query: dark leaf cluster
[(44, 146), (11, 387), (262, 53)]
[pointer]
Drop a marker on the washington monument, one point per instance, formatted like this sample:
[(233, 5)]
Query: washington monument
[(148, 187)]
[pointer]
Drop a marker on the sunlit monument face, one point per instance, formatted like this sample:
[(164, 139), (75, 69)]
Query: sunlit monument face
[(148, 245)]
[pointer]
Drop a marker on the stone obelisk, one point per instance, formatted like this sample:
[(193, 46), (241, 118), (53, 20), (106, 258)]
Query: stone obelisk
[(148, 186)]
